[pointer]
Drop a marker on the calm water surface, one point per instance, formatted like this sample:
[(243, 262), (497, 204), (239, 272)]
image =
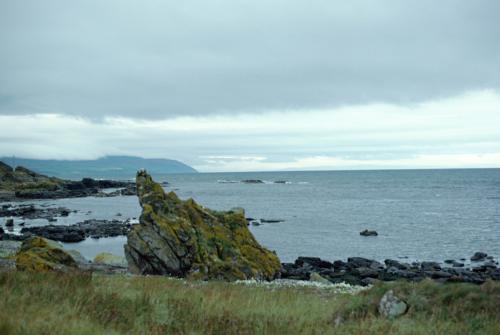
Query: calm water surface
[(419, 214)]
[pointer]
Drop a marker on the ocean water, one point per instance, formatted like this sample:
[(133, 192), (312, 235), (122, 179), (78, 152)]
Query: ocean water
[(418, 214)]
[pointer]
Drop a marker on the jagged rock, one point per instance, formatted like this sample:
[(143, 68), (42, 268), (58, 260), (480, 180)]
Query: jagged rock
[(38, 255), (391, 306), (182, 238)]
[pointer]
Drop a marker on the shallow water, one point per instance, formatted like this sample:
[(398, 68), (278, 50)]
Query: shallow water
[(419, 214)]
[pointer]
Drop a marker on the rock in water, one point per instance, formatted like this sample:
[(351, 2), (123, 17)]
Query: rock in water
[(367, 232), (181, 238), (38, 255), (391, 306)]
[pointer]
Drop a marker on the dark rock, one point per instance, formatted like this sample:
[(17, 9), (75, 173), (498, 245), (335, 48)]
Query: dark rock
[(396, 264), (252, 181), (367, 232), (9, 222), (315, 262), (364, 272), (430, 266), (32, 212), (271, 220), (479, 256), (81, 230), (457, 264), (438, 274), (357, 262)]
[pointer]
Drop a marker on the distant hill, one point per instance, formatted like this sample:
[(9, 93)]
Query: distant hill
[(110, 167)]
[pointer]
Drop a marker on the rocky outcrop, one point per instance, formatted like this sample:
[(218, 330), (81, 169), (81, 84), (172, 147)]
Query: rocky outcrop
[(181, 238), (22, 183), (79, 231), (33, 212), (38, 255)]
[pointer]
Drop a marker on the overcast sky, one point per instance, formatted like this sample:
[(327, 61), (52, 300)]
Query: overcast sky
[(253, 85)]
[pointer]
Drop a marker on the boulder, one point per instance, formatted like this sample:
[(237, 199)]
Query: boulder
[(183, 239), (478, 256), (316, 277), (110, 259), (9, 222), (390, 306), (39, 255)]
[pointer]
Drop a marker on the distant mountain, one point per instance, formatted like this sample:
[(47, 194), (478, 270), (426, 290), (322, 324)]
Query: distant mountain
[(110, 167)]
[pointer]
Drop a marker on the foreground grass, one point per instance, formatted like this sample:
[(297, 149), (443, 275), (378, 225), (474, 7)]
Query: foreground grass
[(83, 304)]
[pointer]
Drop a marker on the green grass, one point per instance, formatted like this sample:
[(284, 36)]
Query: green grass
[(51, 303)]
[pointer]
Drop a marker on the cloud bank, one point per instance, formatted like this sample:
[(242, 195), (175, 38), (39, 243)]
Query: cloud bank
[(160, 59), (459, 131)]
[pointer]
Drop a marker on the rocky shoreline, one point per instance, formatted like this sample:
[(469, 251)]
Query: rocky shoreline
[(21, 183), (74, 233), (181, 238), (363, 271)]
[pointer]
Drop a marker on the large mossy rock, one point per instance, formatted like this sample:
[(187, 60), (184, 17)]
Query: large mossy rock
[(38, 255), (183, 239)]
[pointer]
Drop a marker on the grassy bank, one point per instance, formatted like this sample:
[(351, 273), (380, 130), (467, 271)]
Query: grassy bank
[(82, 304)]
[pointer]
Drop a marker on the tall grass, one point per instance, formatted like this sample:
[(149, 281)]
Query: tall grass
[(52, 303)]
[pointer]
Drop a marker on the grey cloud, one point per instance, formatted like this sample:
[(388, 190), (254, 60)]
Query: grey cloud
[(159, 59)]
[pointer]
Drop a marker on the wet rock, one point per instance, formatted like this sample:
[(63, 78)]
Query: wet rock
[(430, 266), (314, 262), (367, 232), (31, 212), (478, 256), (181, 238), (252, 181), (390, 306), (457, 264), (271, 220), (396, 264), (9, 223), (81, 230)]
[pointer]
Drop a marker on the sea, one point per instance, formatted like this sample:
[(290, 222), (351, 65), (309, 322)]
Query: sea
[(418, 214)]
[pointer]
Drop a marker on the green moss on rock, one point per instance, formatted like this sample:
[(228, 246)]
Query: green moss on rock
[(182, 238), (39, 255)]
